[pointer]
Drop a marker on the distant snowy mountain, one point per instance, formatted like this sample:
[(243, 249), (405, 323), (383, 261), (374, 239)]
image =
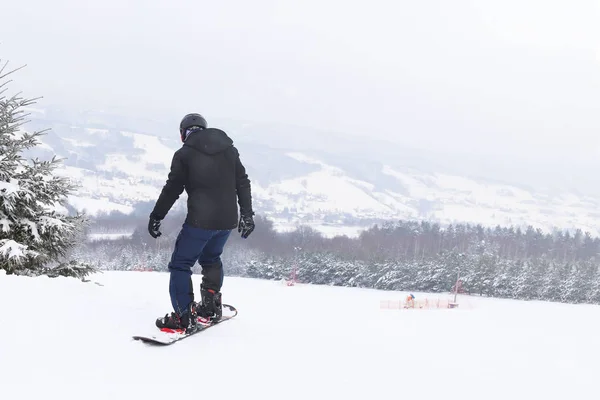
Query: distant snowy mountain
[(334, 189)]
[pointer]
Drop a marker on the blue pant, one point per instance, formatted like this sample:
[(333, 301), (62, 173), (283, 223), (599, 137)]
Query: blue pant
[(203, 246)]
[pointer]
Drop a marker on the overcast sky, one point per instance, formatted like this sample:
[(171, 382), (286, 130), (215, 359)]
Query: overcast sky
[(504, 77)]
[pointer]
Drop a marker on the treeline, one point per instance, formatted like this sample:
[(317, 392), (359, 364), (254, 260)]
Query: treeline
[(506, 262), (482, 274)]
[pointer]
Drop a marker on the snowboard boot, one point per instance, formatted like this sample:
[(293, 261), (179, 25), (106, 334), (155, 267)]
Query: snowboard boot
[(210, 309), (186, 322)]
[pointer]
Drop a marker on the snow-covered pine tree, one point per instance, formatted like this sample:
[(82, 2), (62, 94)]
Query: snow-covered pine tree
[(35, 238)]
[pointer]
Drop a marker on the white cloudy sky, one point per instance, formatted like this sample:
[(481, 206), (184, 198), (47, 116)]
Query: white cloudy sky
[(504, 76)]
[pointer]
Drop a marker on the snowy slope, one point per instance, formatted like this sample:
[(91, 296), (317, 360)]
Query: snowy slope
[(308, 342), (456, 199), (130, 169), (327, 190), (118, 169)]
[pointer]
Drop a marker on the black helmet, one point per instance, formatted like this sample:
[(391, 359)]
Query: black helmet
[(189, 121)]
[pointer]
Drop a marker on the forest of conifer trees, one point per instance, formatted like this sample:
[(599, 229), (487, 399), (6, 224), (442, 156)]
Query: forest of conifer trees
[(503, 262)]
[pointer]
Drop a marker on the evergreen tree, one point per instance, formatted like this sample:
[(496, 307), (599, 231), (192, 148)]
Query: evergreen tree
[(526, 283), (593, 294), (35, 238), (551, 281)]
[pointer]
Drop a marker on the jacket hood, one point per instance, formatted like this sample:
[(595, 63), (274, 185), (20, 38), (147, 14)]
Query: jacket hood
[(209, 141)]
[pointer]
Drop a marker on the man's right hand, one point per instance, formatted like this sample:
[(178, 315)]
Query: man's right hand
[(154, 227)]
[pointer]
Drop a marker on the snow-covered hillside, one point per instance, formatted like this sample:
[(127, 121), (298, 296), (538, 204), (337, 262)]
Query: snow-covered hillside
[(119, 169), (74, 341)]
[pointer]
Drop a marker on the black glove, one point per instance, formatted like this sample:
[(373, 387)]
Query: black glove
[(154, 226), (246, 225)]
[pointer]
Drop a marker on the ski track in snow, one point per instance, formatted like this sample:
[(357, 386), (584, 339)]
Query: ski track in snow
[(61, 338)]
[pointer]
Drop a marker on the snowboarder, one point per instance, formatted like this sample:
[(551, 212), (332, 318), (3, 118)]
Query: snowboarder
[(410, 301), (208, 167)]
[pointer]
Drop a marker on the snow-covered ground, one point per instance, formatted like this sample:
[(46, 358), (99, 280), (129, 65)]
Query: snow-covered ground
[(109, 236), (326, 230), (62, 338)]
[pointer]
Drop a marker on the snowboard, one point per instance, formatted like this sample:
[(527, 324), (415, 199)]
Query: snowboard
[(165, 336)]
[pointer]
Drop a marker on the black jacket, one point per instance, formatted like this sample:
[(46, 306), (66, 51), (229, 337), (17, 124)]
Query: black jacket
[(208, 167)]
